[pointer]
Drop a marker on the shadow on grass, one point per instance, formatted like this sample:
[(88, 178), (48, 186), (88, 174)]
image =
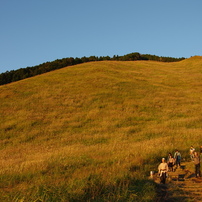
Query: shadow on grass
[(127, 189), (164, 194)]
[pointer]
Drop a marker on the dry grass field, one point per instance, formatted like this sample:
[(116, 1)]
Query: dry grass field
[(92, 132)]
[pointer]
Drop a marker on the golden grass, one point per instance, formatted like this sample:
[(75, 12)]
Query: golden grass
[(101, 118)]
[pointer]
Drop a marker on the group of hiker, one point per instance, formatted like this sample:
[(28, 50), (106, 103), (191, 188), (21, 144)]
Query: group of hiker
[(174, 161)]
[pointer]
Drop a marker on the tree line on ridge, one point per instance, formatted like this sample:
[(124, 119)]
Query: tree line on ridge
[(23, 73)]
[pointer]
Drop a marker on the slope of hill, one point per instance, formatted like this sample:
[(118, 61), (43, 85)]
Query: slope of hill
[(23, 73), (95, 130)]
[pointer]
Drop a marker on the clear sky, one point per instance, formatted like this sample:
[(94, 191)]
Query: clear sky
[(36, 31)]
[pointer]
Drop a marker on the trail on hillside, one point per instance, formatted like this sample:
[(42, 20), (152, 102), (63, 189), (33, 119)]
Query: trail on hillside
[(181, 185)]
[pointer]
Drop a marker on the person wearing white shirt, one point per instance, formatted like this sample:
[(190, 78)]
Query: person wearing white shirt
[(162, 170)]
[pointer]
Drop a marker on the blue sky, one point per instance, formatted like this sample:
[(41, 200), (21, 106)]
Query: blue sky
[(37, 31)]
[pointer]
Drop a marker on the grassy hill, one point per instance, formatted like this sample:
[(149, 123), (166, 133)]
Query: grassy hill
[(94, 131)]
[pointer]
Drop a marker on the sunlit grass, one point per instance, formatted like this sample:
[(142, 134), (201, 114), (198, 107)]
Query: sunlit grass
[(94, 131)]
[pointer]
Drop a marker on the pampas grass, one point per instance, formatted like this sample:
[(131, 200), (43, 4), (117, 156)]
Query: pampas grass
[(94, 131)]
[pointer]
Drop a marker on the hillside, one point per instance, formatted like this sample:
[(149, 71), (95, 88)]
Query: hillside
[(93, 131), (23, 73)]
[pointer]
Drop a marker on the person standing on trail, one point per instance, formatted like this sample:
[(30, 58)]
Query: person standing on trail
[(170, 162), (177, 157), (201, 150), (191, 152), (162, 170), (196, 161)]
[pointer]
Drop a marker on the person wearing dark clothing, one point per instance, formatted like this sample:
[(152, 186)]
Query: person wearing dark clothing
[(170, 162), (196, 161), (177, 157)]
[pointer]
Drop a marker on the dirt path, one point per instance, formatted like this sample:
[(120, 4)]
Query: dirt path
[(181, 185)]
